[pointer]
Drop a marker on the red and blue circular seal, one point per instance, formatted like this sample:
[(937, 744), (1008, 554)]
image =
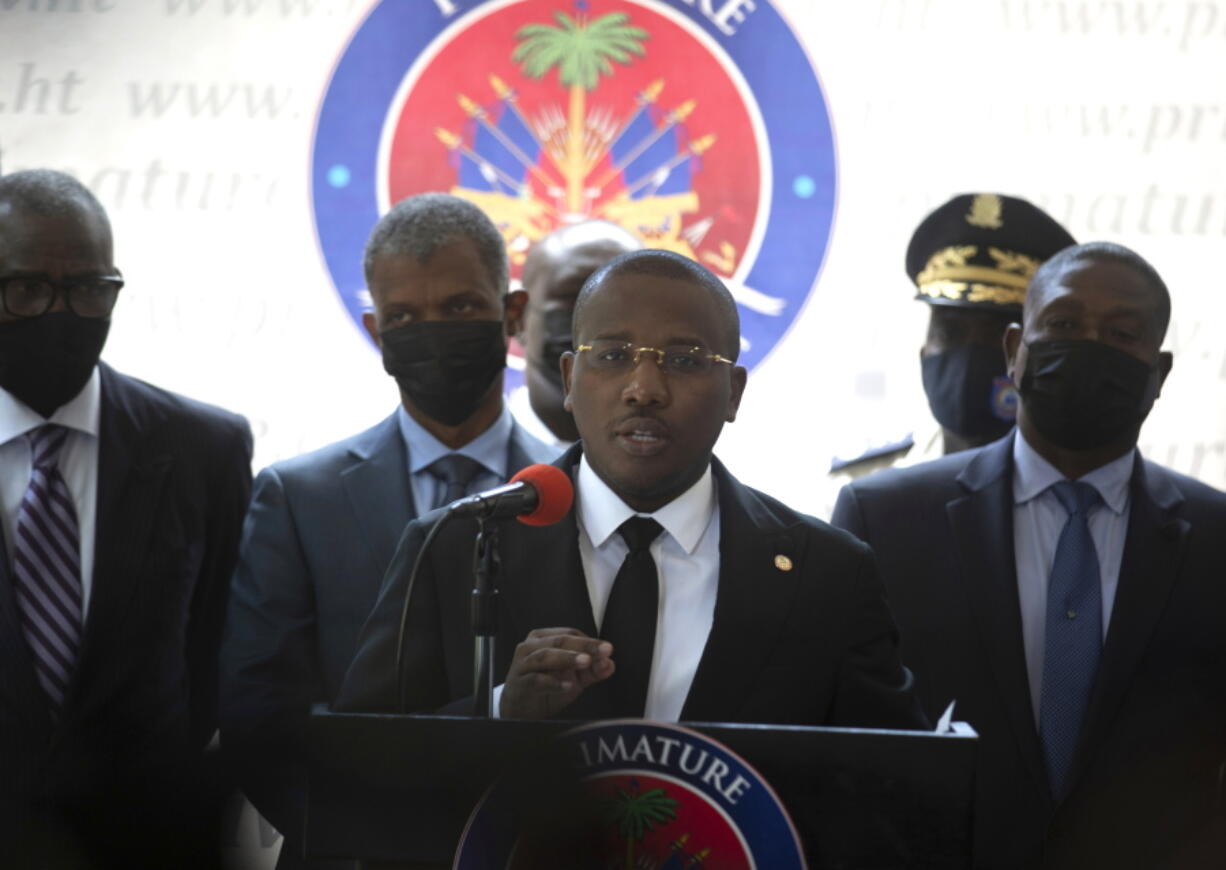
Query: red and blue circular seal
[(700, 127), (661, 796)]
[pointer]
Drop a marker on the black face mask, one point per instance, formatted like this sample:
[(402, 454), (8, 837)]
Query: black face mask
[(969, 392), (557, 342), (1081, 395), (46, 360), (445, 367)]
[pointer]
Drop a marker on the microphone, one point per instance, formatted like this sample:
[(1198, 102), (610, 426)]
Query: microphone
[(538, 495)]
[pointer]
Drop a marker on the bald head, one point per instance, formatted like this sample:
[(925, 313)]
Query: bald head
[(1052, 274), (574, 250), (50, 224), (555, 269), (48, 194), (55, 249), (673, 267)]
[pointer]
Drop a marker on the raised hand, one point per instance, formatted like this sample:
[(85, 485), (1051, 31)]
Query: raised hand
[(550, 669)]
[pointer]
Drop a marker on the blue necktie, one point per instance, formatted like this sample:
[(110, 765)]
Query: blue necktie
[(455, 471), (47, 566), (1074, 634)]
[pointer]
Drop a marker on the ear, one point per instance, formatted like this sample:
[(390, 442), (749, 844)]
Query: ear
[(567, 362), (372, 327), (739, 377), (1012, 342), (513, 305), (1165, 361)]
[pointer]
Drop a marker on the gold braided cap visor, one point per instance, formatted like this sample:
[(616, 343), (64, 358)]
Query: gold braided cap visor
[(949, 277), (971, 293)]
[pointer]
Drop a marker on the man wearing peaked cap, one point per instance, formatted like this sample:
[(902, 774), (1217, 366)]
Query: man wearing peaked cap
[(1068, 593), (970, 260)]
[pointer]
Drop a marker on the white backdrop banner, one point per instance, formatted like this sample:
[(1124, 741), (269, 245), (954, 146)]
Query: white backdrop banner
[(244, 149)]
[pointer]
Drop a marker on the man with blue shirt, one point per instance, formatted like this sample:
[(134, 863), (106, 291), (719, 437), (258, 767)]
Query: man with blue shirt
[(1068, 594), (323, 527)]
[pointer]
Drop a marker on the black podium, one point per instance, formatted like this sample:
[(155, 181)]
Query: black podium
[(398, 790)]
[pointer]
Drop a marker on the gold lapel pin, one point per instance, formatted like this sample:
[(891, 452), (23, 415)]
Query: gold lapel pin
[(783, 563)]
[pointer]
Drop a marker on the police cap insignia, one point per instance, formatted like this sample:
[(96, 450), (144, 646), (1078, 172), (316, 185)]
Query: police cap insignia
[(985, 211), (980, 251)]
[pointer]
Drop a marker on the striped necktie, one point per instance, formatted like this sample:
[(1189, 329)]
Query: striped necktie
[(47, 567)]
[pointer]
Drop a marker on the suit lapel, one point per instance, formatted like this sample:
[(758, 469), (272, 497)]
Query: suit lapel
[(131, 475), (543, 573), (982, 526), (751, 604), (1153, 551), (518, 457), (17, 680), (544, 581), (380, 494)]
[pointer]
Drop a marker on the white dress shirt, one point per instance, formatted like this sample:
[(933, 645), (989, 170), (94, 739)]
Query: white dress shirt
[(687, 561), (78, 464), (1038, 520)]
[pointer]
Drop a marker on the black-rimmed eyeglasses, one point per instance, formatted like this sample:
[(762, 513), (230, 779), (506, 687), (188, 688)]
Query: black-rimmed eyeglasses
[(33, 295)]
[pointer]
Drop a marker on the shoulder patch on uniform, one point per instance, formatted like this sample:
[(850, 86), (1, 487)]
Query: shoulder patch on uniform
[(874, 453)]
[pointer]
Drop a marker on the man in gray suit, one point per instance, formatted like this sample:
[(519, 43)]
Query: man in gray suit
[(323, 527)]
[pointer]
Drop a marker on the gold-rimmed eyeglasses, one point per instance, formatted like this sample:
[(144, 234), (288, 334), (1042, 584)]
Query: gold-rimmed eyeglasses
[(612, 355)]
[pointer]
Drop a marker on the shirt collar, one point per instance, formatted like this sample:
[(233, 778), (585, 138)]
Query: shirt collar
[(1033, 475), (489, 448), (601, 511), (80, 413)]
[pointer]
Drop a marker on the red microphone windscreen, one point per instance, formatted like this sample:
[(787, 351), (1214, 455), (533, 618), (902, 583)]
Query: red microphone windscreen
[(554, 494)]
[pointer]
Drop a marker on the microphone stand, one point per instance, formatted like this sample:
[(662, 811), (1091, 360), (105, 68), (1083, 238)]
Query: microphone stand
[(484, 615)]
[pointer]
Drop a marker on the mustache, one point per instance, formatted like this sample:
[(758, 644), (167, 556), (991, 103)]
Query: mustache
[(640, 419)]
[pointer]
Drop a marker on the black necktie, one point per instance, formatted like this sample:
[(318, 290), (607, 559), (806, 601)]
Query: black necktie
[(455, 471), (630, 620)]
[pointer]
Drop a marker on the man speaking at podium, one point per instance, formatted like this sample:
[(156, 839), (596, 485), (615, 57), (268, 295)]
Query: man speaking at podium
[(714, 601)]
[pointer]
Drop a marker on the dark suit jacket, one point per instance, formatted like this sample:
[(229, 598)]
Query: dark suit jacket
[(318, 538), (1147, 773), (812, 645), (174, 477)]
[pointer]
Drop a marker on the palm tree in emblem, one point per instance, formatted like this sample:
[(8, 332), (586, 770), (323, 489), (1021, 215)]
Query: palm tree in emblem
[(635, 813), (581, 49)]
